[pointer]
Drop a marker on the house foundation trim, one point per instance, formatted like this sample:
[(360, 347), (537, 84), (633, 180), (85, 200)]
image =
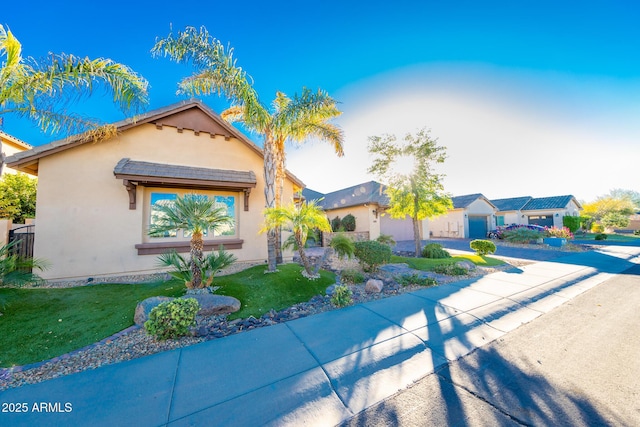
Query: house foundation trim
[(182, 247)]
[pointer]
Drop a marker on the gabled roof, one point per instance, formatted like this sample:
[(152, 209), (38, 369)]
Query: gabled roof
[(556, 202), (368, 192), (461, 202), (309, 194), (182, 115), (5, 137), (511, 204)]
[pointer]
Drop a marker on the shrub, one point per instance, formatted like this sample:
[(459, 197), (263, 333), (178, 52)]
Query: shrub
[(341, 296), (335, 224), (572, 223), (348, 223), (386, 239), (351, 276), (435, 251), (521, 235), (343, 246), (372, 254), (209, 266), (636, 233), (601, 236), (172, 319), (415, 279), (450, 269), (596, 228), (483, 247), (563, 232)]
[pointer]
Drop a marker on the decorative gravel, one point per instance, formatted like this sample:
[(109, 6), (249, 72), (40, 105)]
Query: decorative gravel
[(134, 342)]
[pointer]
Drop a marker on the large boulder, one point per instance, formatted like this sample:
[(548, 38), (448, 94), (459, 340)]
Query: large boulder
[(374, 286), (211, 304), (144, 308)]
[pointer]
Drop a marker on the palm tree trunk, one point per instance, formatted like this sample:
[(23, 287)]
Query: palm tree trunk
[(303, 257), (270, 198), (279, 155), (196, 259)]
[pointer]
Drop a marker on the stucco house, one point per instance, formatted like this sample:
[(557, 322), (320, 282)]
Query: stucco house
[(470, 218), (10, 145), (96, 199), (543, 211)]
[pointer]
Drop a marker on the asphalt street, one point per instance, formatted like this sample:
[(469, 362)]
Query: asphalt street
[(577, 365)]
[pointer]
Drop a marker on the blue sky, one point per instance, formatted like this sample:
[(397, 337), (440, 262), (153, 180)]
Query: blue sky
[(530, 98)]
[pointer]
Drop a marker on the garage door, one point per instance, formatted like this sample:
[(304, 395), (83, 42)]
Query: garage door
[(477, 227), (541, 220)]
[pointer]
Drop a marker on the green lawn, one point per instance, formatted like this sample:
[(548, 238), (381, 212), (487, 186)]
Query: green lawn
[(427, 264), (39, 324), (610, 237)]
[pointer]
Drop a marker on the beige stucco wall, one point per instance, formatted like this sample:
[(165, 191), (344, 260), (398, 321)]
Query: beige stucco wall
[(366, 219), (9, 148), (85, 227), (450, 225)]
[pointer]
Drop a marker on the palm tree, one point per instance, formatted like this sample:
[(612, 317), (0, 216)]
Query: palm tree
[(194, 214), (289, 119), (299, 218), (40, 91)]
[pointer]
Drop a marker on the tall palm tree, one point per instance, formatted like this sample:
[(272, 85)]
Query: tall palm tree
[(288, 119), (300, 218), (194, 214), (40, 91)]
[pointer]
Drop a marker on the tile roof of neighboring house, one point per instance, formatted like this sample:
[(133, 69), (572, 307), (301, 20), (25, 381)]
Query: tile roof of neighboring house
[(148, 170), (309, 194), (511, 204), (368, 192), (556, 202), (461, 202), (13, 140)]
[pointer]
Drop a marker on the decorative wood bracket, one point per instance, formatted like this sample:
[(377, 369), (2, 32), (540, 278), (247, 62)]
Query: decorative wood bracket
[(247, 191), (131, 189)]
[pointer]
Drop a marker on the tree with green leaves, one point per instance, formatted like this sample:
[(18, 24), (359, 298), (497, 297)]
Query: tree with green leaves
[(194, 214), (294, 119), (407, 168), (41, 90), (17, 197), (612, 210), (300, 219)]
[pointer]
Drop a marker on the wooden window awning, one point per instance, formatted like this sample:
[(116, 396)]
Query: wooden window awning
[(134, 173)]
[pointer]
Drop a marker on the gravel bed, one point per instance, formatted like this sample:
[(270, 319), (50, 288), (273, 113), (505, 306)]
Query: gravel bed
[(134, 342)]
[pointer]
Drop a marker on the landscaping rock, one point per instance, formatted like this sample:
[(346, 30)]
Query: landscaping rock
[(144, 308), (331, 289), (467, 265), (374, 286), (215, 304)]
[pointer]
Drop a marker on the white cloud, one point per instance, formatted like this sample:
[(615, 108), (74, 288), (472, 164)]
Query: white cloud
[(507, 134)]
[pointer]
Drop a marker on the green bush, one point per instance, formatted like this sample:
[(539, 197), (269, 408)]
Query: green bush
[(341, 296), (172, 319), (572, 223), (387, 239), (372, 254), (351, 276), (342, 245), (335, 224), (521, 235), (450, 269), (415, 279), (348, 223), (601, 236), (435, 251), (596, 228), (483, 247)]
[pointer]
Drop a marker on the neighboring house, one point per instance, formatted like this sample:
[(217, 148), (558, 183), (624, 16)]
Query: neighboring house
[(96, 199), (10, 145), (543, 211), (470, 218)]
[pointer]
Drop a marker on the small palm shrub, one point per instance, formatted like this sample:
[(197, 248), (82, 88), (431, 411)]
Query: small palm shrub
[(18, 271), (415, 279), (435, 251), (450, 270), (387, 239), (209, 266), (348, 223), (483, 247), (372, 254), (172, 319), (352, 277), (343, 246), (341, 296), (521, 235)]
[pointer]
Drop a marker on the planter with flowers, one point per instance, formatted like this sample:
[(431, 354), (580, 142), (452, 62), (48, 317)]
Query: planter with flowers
[(557, 237)]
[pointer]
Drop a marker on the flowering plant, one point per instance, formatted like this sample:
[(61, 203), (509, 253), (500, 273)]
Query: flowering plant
[(563, 232)]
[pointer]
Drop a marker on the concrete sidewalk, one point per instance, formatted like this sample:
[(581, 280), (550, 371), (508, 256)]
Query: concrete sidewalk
[(319, 370)]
